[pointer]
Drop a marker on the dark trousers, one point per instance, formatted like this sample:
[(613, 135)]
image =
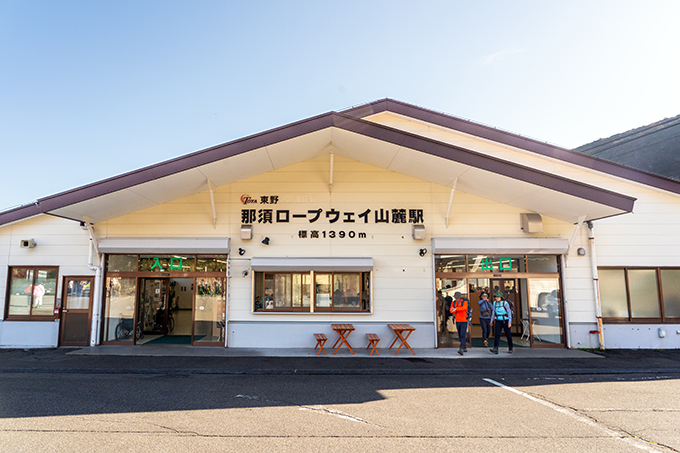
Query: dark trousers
[(486, 327), (502, 325), (462, 332)]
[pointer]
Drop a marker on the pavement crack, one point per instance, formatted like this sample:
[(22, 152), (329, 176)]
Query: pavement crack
[(316, 409), (336, 413), (174, 430), (606, 409)]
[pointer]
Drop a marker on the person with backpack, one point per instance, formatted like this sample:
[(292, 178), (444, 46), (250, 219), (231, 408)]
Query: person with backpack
[(502, 316), (460, 310), (485, 312)]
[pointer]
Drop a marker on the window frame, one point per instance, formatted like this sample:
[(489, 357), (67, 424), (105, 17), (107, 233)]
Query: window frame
[(313, 308), (662, 319), (30, 317)]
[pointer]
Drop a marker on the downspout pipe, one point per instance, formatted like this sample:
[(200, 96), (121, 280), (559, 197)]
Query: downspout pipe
[(97, 302), (563, 270), (98, 286), (596, 283)]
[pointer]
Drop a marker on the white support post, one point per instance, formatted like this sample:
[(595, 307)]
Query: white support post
[(212, 204), (448, 210), (581, 219), (330, 179)]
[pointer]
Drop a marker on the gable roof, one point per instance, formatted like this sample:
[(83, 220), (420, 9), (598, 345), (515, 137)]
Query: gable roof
[(589, 159), (347, 134)]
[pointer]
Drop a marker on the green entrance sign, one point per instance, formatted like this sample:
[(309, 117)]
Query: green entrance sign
[(487, 264), (505, 264), (157, 264), (176, 263)]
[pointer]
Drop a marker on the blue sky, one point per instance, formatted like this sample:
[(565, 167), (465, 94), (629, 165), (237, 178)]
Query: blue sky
[(92, 89)]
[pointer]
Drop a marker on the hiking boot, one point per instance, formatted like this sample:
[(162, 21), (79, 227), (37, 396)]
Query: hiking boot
[(494, 351), (464, 349), (509, 351), (460, 351), (486, 343)]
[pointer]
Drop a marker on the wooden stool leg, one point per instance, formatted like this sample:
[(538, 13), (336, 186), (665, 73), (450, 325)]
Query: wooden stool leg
[(320, 344), (374, 343)]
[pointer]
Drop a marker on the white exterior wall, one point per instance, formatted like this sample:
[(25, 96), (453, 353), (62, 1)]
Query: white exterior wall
[(60, 243), (402, 280), (648, 237)]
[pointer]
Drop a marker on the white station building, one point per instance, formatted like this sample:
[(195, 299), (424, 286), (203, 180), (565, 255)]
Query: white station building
[(368, 216)]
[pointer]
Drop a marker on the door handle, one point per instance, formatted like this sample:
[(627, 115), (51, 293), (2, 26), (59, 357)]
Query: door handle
[(65, 311)]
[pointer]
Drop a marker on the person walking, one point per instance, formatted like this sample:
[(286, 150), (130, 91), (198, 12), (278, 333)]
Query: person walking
[(485, 313), (459, 308), (502, 316)]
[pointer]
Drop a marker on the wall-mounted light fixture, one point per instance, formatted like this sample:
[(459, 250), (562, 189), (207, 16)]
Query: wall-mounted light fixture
[(265, 241), (83, 226), (422, 252), (241, 251), (581, 251), (245, 272)]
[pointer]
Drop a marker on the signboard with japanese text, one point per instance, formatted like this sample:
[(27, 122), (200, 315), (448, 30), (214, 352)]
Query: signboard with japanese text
[(267, 213)]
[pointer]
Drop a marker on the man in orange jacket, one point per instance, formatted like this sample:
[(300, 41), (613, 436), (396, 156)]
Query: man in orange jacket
[(459, 308)]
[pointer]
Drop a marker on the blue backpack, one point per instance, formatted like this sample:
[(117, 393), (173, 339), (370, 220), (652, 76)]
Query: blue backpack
[(501, 310)]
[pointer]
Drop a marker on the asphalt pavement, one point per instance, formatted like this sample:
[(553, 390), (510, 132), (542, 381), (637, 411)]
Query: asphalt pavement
[(52, 400), (67, 360)]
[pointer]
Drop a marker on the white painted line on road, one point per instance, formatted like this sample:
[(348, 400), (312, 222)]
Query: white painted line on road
[(610, 432)]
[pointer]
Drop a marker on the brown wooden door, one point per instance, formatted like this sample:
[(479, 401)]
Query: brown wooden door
[(76, 313)]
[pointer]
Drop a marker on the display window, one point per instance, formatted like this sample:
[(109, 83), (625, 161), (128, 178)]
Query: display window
[(31, 293), (295, 291)]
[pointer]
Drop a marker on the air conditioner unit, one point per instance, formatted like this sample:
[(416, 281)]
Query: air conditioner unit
[(531, 222), (418, 232), (246, 232)]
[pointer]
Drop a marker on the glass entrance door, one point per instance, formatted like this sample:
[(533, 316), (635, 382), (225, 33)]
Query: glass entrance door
[(545, 312), (210, 312), (512, 289), (153, 306)]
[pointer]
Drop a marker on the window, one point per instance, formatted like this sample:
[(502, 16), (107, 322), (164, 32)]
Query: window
[(493, 264), (640, 294), (31, 293), (293, 292), (166, 263)]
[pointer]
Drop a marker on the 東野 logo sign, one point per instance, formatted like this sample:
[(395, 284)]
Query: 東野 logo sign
[(263, 199)]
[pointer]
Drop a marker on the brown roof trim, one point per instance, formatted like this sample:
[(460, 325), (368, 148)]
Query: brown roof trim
[(20, 213), (185, 162), (314, 124), (518, 141), (489, 163)]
